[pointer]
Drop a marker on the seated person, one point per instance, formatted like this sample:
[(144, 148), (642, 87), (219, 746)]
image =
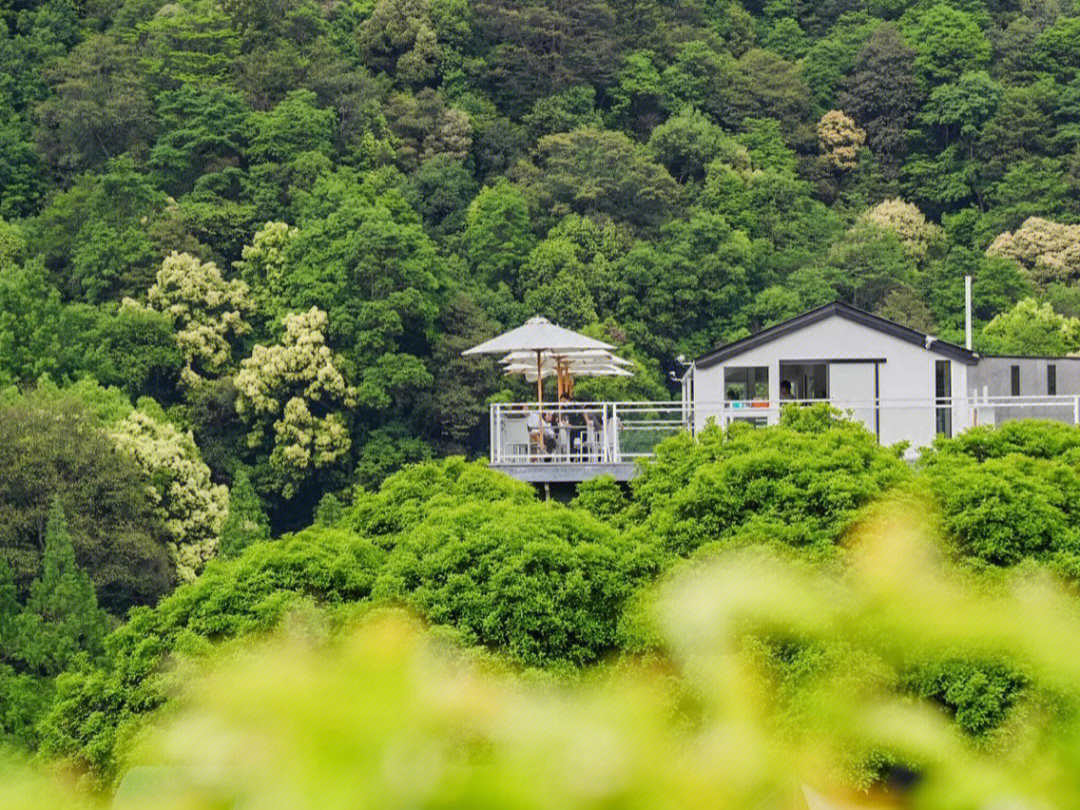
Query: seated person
[(535, 424), (785, 390), (573, 420), (550, 439)]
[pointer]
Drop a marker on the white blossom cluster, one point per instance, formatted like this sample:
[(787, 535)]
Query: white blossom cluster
[(278, 386), (206, 310), (916, 233), (840, 139), (1048, 251), (192, 507)]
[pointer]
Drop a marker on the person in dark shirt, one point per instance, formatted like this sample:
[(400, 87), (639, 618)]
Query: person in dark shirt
[(572, 423)]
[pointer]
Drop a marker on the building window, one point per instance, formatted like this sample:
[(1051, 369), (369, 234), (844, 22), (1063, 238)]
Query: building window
[(806, 380), (1015, 381), (943, 393), (744, 384), (1051, 380)]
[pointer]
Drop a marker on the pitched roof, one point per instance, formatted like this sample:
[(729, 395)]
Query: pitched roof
[(841, 310), (538, 334)]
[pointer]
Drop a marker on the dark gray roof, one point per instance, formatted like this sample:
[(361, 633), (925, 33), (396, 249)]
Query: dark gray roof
[(841, 310)]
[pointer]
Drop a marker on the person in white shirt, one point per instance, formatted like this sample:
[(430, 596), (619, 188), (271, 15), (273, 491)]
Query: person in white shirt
[(534, 422)]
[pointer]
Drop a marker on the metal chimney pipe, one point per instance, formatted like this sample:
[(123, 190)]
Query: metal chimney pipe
[(967, 312)]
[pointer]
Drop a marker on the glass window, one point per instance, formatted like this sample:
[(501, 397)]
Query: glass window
[(1051, 380), (746, 383), (804, 380), (943, 392), (1016, 381)]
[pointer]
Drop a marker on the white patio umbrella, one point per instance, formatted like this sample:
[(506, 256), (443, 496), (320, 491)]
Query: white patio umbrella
[(537, 334), (546, 347), (584, 371), (582, 357)]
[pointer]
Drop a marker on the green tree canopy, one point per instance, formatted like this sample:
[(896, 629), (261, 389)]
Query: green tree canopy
[(61, 619), (53, 448)]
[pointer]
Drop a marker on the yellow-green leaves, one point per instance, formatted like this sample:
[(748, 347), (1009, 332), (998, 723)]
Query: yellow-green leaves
[(207, 311), (295, 391)]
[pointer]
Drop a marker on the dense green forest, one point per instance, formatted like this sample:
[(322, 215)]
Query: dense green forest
[(242, 245), (282, 221)]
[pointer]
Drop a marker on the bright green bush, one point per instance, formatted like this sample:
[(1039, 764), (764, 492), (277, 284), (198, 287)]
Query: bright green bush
[(1029, 437), (603, 496), (802, 483), (96, 714), (474, 549), (978, 694), (539, 583), (1010, 494), (465, 547), (406, 498)]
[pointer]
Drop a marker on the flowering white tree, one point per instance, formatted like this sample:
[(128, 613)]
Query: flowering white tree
[(207, 311), (917, 234), (840, 139), (192, 507), (1047, 251), (295, 391)]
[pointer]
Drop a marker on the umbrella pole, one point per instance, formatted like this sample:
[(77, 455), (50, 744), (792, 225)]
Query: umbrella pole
[(539, 380)]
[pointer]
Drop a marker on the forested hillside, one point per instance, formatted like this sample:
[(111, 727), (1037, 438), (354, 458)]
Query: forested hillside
[(281, 221), (243, 244)]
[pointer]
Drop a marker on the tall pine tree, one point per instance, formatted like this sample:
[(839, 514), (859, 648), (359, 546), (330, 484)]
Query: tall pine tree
[(61, 619), (246, 522), (9, 612)]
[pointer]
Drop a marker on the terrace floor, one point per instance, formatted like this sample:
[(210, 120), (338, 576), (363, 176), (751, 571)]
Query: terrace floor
[(553, 472)]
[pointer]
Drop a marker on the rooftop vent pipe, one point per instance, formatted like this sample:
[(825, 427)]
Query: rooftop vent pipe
[(967, 313)]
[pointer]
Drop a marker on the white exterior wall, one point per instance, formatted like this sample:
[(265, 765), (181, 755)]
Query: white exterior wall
[(906, 374)]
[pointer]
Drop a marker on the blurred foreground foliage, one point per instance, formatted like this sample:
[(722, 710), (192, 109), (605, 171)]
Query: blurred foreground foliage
[(560, 590), (777, 675)]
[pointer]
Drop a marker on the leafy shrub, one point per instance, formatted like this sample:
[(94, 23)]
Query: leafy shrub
[(541, 583), (1010, 494), (802, 483), (96, 714), (1029, 437), (978, 694), (603, 496), (464, 546), (406, 498)]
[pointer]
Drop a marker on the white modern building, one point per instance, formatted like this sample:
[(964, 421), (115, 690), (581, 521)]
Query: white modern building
[(903, 385)]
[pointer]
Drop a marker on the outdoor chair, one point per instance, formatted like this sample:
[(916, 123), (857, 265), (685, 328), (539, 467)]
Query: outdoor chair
[(516, 439)]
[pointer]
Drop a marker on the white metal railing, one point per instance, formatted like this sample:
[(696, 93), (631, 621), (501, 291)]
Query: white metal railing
[(584, 432), (617, 432)]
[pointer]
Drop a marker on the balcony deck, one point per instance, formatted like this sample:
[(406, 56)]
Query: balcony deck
[(580, 441), (567, 472), (577, 442)]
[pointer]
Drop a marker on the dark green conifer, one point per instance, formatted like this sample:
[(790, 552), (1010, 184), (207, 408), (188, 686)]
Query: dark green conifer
[(61, 620), (246, 522)]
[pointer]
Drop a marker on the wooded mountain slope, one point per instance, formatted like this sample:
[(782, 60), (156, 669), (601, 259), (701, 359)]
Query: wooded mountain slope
[(277, 222)]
